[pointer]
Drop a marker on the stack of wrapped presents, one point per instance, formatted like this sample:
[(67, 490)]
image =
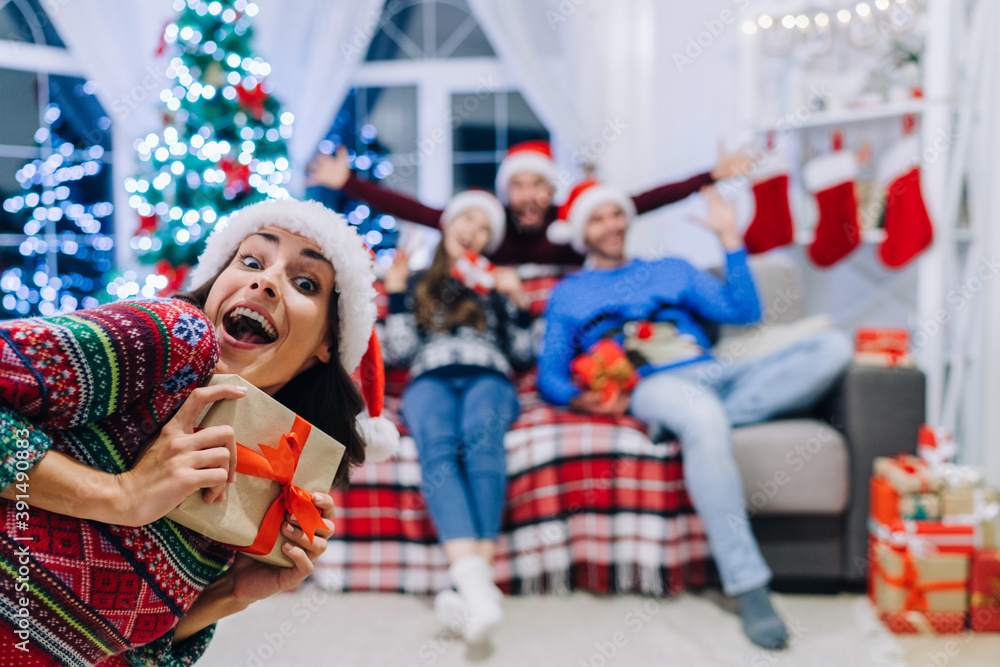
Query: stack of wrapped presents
[(934, 556)]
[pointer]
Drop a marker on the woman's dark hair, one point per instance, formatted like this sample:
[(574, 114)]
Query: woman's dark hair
[(324, 394), (438, 305)]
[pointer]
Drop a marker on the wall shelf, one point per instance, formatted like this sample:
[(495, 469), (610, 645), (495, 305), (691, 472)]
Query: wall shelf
[(845, 116)]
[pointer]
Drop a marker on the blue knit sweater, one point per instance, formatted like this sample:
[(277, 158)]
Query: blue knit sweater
[(593, 303)]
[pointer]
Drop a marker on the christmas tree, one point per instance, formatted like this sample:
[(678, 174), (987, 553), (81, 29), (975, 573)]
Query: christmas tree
[(65, 217), (223, 146)]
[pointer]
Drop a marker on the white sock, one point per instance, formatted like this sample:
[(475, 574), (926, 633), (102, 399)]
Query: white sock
[(451, 610), (473, 577)]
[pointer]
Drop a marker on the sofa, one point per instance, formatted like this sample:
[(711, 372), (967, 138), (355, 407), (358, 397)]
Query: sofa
[(596, 504)]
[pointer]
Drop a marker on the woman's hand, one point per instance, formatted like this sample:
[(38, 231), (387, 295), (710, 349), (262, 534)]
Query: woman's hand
[(253, 580), (180, 462), (330, 171), (721, 219), (509, 285), (249, 580), (398, 274)]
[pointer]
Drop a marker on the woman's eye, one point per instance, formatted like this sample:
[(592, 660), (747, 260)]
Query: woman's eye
[(250, 261), (307, 285)]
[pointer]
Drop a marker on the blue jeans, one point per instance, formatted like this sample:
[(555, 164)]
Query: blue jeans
[(701, 402), (458, 423)]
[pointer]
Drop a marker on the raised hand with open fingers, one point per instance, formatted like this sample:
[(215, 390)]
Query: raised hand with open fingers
[(330, 171), (721, 219)]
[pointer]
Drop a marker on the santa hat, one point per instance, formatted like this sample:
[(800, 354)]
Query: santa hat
[(531, 156), (583, 199), (352, 262), (485, 202)]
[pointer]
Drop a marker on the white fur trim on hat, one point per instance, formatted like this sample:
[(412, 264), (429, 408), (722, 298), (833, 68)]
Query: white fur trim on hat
[(898, 160), (380, 436), (522, 161), (489, 204), (827, 171), (770, 166), (337, 240), (584, 206)]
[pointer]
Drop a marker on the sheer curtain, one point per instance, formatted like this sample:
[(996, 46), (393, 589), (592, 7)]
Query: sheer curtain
[(587, 71), (602, 75), (314, 48)]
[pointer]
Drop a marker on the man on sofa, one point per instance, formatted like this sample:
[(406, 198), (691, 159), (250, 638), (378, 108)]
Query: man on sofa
[(652, 308)]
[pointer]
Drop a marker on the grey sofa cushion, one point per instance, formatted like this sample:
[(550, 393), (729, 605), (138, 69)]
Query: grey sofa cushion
[(794, 466)]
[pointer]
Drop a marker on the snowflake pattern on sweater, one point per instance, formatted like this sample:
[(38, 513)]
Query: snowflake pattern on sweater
[(96, 385), (504, 346)]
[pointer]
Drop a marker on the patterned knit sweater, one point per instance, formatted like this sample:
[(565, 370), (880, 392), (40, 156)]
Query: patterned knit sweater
[(97, 385), (504, 346)]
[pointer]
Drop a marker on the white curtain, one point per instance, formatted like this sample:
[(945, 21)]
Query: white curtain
[(601, 75), (314, 48)]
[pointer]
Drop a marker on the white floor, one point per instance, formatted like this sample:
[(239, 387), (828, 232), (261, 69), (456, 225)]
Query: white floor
[(312, 627)]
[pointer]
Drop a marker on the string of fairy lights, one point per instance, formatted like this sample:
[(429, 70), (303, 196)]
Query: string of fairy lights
[(861, 23)]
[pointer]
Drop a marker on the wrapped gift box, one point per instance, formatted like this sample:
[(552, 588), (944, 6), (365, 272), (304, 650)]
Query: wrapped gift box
[(920, 506), (882, 347), (282, 460), (908, 474), (984, 589), (887, 505), (919, 593), (475, 272), (604, 368), (969, 505)]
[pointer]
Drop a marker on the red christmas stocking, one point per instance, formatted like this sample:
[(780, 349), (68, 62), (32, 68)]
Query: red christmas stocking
[(772, 221), (908, 228), (831, 178)]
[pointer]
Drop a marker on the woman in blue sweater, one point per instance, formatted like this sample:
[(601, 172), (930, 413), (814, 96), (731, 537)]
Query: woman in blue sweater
[(461, 340)]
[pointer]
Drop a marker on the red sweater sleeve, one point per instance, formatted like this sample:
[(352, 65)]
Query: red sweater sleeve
[(670, 193), (391, 203)]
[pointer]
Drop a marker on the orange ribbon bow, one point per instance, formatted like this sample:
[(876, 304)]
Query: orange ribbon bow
[(278, 464), (605, 369)]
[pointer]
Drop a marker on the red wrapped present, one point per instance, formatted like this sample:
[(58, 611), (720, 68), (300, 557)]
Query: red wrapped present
[(604, 368), (882, 347), (475, 272), (923, 593), (984, 589)]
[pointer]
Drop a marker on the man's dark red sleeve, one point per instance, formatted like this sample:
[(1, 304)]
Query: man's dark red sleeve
[(391, 203), (670, 193)]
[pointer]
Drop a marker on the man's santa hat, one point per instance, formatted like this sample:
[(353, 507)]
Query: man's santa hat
[(354, 281), (530, 156), (583, 199), (488, 204)]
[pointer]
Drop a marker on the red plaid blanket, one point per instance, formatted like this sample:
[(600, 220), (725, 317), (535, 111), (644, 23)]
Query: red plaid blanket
[(592, 504)]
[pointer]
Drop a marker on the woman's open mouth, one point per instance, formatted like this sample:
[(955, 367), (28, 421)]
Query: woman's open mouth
[(247, 326)]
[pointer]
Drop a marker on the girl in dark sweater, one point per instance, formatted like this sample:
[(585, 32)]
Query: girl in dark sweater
[(461, 344)]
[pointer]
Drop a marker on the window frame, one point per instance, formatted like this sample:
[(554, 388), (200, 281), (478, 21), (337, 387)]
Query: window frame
[(436, 82)]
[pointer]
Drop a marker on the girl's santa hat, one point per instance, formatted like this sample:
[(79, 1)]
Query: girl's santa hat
[(530, 156), (489, 205), (352, 263), (583, 199)]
